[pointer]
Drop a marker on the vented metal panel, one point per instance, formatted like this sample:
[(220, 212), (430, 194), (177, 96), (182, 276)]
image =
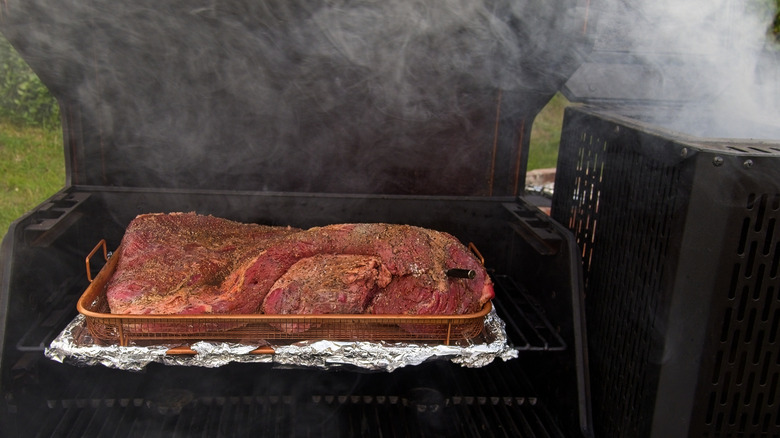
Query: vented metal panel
[(679, 240), (742, 391), (619, 202)]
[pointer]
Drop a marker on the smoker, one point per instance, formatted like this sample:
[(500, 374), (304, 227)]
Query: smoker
[(684, 326), (298, 113), (674, 206)]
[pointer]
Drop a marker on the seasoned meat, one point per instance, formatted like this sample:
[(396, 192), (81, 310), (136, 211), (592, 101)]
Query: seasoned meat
[(176, 264), (186, 263), (327, 283)]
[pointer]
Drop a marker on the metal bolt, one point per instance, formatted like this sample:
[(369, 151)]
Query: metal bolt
[(748, 164), (717, 161)]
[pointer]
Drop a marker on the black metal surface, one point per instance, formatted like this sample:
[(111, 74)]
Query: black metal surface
[(542, 393), (679, 240), (215, 107), (528, 326), (448, 401)]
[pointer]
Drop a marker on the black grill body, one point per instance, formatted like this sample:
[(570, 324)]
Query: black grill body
[(302, 113), (679, 240), (534, 261)]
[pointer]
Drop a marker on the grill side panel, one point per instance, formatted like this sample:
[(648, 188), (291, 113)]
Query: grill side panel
[(738, 387), (680, 251), (614, 197)]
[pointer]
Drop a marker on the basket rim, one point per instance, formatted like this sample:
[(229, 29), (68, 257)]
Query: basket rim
[(97, 290)]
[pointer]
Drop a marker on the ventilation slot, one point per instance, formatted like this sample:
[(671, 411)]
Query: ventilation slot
[(745, 371), (640, 212), (621, 215)]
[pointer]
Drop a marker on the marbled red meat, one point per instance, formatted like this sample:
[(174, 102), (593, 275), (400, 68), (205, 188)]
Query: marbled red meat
[(176, 264), (327, 284), (186, 263)]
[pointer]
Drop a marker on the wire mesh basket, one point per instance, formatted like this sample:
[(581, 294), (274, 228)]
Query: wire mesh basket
[(109, 328)]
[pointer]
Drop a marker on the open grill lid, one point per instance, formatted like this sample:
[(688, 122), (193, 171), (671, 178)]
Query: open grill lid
[(402, 96), (700, 67)]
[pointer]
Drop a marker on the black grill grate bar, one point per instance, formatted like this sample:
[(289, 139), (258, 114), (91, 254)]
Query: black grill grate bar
[(508, 421), (183, 423), (80, 422), (104, 420), (526, 320), (55, 422), (198, 421), (47, 325), (470, 415)]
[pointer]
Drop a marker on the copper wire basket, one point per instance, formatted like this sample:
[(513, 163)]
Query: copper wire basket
[(108, 328)]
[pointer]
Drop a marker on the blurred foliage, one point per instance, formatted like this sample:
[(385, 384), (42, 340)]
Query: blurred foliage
[(23, 98), (775, 28), (770, 8)]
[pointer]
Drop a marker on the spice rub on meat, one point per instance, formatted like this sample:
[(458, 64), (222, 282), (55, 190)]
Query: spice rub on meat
[(184, 263), (328, 284), (177, 264)]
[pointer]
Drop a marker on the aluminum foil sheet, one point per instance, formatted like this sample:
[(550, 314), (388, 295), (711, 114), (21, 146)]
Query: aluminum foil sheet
[(74, 346)]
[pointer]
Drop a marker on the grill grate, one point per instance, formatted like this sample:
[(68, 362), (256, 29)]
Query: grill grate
[(320, 415), (493, 401), (528, 327), (437, 398)]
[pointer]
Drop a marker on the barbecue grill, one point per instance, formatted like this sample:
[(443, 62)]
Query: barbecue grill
[(310, 112), (298, 113), (692, 305), (674, 205)]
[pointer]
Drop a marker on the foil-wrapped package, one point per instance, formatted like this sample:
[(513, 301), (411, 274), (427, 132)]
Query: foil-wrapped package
[(75, 346)]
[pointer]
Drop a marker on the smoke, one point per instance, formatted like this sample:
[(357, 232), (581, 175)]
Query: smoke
[(713, 65), (392, 96)]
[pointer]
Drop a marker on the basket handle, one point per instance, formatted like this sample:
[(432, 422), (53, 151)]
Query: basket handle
[(92, 253), (476, 252)]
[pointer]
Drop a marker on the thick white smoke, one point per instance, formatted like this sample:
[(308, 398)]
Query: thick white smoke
[(711, 59)]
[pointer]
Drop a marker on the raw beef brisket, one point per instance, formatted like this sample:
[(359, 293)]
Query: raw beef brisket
[(176, 264), (187, 263), (327, 283)]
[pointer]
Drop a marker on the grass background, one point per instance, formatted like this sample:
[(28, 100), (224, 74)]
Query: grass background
[(546, 134), (32, 165)]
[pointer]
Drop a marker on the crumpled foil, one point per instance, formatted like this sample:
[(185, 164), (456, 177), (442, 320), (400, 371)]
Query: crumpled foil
[(74, 346)]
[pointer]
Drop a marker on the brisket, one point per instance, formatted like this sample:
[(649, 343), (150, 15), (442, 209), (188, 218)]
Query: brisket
[(417, 258), (187, 263), (327, 283), (176, 263)]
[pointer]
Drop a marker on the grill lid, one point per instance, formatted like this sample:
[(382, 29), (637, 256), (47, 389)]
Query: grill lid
[(701, 67), (305, 95)]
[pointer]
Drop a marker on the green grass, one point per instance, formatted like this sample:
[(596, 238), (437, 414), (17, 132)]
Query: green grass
[(32, 168), (546, 134)]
